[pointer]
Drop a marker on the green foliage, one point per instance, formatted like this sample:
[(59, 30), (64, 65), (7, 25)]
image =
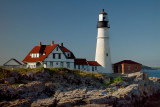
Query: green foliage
[(23, 70), (39, 69), (107, 83), (117, 79), (62, 71), (50, 70), (3, 73), (110, 81)]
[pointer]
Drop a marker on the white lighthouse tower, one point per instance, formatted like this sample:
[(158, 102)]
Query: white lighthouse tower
[(103, 56)]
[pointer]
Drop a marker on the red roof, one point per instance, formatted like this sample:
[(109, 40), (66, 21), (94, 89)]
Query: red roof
[(47, 49), (127, 62), (64, 49), (80, 62), (93, 63)]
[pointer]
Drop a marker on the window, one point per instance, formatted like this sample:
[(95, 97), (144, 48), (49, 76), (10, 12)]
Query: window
[(56, 63), (56, 56), (106, 54), (78, 66), (53, 56), (82, 66), (38, 55), (59, 56), (129, 68), (95, 67), (92, 68), (57, 49), (68, 54), (34, 55), (74, 66), (136, 67)]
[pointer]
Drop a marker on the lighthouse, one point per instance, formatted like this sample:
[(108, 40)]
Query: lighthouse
[(103, 56)]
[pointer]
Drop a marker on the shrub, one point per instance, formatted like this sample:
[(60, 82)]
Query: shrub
[(107, 83), (117, 79), (110, 81)]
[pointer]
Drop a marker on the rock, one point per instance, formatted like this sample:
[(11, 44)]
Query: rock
[(48, 102), (29, 76), (94, 105), (70, 90), (104, 92), (4, 104), (69, 102), (20, 103), (15, 74), (2, 81), (10, 80)]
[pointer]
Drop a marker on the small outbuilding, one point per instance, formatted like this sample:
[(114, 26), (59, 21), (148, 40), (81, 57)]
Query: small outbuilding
[(127, 66), (12, 63)]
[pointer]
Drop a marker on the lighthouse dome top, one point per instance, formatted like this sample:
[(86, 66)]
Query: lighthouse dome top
[(103, 12)]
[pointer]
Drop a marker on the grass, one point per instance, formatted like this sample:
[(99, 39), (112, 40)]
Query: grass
[(3, 73), (24, 70), (117, 79), (111, 81), (60, 70), (69, 71)]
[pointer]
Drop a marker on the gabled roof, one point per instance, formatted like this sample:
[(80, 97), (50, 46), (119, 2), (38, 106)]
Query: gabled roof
[(93, 63), (18, 63), (127, 62), (80, 62), (64, 49), (47, 49)]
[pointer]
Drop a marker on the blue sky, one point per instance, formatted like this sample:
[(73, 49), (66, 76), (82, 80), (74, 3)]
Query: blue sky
[(134, 32)]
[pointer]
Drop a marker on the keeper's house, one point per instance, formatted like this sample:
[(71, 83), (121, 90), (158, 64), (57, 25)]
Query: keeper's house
[(55, 55), (127, 66)]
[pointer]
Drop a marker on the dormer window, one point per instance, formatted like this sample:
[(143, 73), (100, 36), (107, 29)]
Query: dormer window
[(35, 55), (38, 55), (68, 54), (44, 53)]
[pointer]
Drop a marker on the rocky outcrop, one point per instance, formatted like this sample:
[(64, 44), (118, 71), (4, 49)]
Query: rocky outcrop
[(40, 88), (48, 102)]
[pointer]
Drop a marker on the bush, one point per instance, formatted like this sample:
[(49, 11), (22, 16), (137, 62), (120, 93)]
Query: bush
[(117, 79), (110, 81), (107, 83)]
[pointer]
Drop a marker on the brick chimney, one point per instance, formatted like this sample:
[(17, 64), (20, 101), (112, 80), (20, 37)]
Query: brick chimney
[(52, 42), (61, 44), (39, 43)]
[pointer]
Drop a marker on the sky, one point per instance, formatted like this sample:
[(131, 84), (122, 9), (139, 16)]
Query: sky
[(134, 28)]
